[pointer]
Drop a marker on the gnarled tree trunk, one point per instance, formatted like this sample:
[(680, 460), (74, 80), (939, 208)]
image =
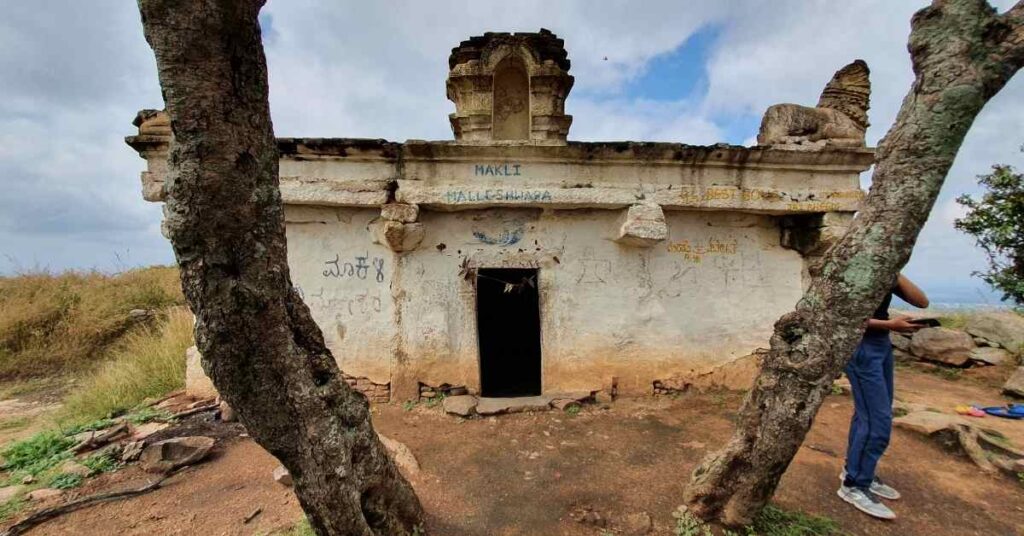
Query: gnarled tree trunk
[(225, 220), (963, 53)]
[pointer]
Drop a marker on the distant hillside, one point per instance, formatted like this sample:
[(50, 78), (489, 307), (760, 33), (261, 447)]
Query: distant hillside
[(54, 324)]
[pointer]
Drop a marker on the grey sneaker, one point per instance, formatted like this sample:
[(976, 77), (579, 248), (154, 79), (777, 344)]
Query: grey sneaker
[(866, 502), (878, 487)]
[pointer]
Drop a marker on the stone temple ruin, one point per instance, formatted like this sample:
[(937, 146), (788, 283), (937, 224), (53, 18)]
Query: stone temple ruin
[(510, 261)]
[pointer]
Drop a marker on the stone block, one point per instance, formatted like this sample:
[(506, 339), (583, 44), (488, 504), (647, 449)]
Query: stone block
[(400, 212), (1015, 384), (462, 406), (398, 236), (1004, 328), (944, 345), (900, 341), (495, 406), (643, 225), (197, 383), (170, 454), (282, 476)]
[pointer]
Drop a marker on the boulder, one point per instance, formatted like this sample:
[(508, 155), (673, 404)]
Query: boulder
[(899, 341), (1015, 385), (942, 344), (282, 476), (927, 422), (145, 430), (9, 492), (990, 355), (168, 455), (462, 405), (132, 451), (901, 355), (1004, 328)]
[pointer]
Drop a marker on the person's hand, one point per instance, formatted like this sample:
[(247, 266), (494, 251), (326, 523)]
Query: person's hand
[(903, 324)]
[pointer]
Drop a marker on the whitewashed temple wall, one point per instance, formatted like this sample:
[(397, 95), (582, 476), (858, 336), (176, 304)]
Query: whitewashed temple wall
[(706, 296)]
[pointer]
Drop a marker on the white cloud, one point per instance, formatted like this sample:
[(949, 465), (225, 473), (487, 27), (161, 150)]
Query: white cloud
[(73, 75)]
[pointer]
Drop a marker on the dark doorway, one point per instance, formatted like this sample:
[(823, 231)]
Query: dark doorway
[(508, 327)]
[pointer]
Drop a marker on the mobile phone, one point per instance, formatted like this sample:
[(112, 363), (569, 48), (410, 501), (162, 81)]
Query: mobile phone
[(927, 322)]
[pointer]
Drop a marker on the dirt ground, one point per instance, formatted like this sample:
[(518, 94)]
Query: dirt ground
[(524, 474)]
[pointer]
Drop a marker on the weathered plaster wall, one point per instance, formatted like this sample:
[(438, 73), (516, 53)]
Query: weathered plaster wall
[(346, 280), (707, 296)]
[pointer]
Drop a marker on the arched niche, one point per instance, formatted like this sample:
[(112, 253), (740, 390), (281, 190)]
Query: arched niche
[(511, 116)]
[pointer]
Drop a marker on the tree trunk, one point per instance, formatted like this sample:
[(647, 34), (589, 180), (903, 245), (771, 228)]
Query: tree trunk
[(963, 53), (225, 219)]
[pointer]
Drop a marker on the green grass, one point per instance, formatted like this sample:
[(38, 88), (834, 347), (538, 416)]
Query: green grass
[(54, 324), (436, 401), (573, 410), (149, 363), (66, 481), (772, 521), (11, 507), (36, 454), (101, 463), (946, 373)]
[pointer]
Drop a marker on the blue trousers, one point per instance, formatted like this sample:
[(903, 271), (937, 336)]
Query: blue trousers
[(870, 374)]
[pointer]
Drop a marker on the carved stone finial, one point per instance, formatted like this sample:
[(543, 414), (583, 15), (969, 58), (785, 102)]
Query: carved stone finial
[(840, 119), (849, 92), (510, 87), (153, 123)]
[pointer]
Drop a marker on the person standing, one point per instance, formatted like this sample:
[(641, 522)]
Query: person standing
[(870, 372)]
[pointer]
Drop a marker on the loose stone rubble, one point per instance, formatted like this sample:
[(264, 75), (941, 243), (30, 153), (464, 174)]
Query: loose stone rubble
[(170, 454)]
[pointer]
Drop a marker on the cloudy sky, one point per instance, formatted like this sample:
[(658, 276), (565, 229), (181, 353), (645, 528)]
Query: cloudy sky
[(73, 74)]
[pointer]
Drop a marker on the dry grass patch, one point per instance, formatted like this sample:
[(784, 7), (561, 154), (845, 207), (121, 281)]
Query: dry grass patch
[(146, 363), (53, 324)]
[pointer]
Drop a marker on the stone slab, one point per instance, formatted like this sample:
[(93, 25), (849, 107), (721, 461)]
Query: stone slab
[(495, 406), (927, 422), (462, 406)]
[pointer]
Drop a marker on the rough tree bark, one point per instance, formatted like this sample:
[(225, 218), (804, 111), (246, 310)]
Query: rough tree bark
[(225, 219), (963, 53)]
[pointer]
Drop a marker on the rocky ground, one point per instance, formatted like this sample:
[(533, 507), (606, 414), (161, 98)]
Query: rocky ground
[(607, 469), (596, 468)]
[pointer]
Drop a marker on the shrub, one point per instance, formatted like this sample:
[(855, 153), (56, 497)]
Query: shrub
[(997, 222), (36, 454)]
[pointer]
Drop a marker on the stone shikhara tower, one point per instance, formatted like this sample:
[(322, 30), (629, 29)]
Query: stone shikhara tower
[(510, 261), (510, 87)]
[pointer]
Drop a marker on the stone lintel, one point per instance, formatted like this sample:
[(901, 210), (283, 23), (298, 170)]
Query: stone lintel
[(343, 172)]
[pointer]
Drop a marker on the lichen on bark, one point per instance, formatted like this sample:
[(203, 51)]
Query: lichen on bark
[(224, 217), (963, 52)]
